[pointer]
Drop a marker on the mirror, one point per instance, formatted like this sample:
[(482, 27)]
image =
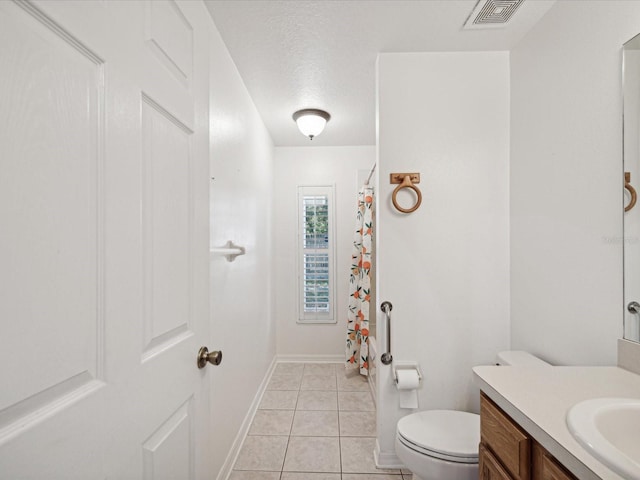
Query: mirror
[(631, 164)]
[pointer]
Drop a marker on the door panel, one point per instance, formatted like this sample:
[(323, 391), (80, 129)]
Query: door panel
[(170, 37), (104, 245), (167, 227), (169, 453), (52, 289)]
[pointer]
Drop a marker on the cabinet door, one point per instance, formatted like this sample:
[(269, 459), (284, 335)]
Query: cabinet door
[(552, 471), (545, 467), (490, 467), (507, 439)]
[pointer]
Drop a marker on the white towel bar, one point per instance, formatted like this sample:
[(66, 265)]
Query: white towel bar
[(229, 250)]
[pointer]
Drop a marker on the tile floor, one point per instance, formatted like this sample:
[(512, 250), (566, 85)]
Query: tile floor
[(313, 423)]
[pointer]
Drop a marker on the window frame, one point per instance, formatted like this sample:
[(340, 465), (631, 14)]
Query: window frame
[(304, 317)]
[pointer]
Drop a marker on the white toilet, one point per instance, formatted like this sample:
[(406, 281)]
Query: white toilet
[(439, 444), (443, 444)]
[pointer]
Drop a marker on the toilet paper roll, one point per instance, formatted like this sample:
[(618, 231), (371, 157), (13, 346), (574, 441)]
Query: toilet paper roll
[(408, 383), (408, 379)]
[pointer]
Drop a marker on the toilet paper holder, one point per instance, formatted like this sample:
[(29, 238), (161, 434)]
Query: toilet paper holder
[(405, 366)]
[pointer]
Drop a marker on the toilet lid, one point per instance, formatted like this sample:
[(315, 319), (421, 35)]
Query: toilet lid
[(449, 432)]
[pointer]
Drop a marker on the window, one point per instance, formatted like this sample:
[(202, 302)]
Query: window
[(315, 255)]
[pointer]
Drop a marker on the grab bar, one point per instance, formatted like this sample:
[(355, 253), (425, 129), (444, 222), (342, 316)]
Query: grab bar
[(386, 357)]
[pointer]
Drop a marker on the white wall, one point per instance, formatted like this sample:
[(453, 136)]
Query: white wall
[(445, 267), (566, 182), (313, 166), (241, 196)]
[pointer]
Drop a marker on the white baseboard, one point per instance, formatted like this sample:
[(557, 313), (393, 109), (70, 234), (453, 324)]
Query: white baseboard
[(227, 466), (386, 459), (284, 358)]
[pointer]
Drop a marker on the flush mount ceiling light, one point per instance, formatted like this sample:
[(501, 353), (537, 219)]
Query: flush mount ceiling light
[(311, 121)]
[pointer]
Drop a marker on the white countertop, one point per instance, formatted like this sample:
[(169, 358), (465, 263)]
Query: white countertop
[(539, 397)]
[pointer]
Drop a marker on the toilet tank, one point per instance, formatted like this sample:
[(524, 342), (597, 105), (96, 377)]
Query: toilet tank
[(519, 358)]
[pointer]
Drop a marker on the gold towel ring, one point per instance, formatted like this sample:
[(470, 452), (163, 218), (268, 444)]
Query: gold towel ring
[(406, 183), (631, 190)]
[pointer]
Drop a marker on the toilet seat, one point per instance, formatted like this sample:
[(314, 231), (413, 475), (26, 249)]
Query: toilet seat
[(434, 454), (448, 435)]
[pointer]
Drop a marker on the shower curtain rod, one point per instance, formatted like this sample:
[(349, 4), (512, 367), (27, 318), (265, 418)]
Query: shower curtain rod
[(373, 169)]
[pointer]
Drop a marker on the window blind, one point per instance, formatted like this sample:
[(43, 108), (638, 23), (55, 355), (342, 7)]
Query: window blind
[(315, 257)]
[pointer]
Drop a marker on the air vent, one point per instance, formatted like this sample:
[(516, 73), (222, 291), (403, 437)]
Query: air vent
[(492, 13)]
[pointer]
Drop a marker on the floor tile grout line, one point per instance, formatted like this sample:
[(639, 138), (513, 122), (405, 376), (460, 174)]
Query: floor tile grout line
[(286, 450), (339, 443)]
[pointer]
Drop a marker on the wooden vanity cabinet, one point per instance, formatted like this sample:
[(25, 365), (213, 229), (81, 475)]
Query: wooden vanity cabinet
[(507, 442), (507, 452)]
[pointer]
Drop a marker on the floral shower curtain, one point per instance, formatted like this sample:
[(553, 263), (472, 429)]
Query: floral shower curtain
[(357, 351)]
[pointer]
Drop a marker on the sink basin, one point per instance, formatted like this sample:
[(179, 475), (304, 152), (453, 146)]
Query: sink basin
[(609, 428)]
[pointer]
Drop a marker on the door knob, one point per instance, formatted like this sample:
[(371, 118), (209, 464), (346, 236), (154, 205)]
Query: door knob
[(204, 356)]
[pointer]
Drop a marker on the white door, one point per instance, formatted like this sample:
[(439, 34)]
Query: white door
[(103, 239)]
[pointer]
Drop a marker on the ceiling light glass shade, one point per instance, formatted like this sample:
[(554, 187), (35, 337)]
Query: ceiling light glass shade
[(311, 121)]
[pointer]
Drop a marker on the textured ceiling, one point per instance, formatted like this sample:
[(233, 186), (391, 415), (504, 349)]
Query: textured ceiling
[(297, 54)]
